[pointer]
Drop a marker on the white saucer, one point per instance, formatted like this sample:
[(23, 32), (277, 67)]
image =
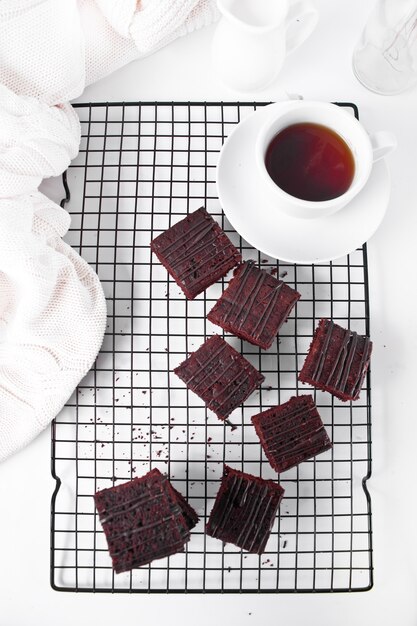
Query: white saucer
[(253, 216)]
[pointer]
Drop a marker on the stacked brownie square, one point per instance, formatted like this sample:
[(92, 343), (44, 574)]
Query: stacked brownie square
[(143, 520)]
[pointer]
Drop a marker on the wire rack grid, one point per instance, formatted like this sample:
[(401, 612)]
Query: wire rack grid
[(141, 168)]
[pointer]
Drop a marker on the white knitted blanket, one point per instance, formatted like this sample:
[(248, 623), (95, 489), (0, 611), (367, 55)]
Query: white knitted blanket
[(52, 307)]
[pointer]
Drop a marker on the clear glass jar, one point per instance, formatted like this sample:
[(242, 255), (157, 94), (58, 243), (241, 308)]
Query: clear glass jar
[(385, 59)]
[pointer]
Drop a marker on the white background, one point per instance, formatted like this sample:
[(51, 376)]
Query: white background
[(320, 69)]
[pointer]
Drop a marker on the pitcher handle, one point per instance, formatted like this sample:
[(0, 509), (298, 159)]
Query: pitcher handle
[(305, 10)]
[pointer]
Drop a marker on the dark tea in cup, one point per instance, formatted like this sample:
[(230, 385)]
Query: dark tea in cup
[(310, 161)]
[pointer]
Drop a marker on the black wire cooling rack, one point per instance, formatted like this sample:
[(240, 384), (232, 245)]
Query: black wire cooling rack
[(141, 168)]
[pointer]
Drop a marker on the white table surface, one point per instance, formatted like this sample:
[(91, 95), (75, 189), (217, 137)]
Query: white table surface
[(321, 69)]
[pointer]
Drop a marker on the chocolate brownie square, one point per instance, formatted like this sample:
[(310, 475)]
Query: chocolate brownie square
[(143, 520), (337, 361), (219, 375), (254, 306), (196, 252), (244, 510), (291, 433)]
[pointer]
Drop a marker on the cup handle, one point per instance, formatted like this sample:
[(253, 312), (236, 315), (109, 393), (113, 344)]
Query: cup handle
[(302, 9), (383, 142)]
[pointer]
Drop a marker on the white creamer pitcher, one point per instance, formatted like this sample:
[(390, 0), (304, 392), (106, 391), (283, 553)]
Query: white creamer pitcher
[(254, 36)]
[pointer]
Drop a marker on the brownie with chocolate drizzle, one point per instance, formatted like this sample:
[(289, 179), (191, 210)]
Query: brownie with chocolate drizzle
[(219, 375), (254, 306), (196, 252), (143, 520), (244, 510), (337, 361), (291, 432)]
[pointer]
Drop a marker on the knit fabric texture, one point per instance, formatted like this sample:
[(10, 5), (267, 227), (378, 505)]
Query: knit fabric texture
[(52, 306)]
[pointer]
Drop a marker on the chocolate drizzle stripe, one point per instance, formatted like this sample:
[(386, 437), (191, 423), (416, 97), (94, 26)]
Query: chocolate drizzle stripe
[(140, 497), (211, 384), (238, 375), (320, 363), (251, 515), (248, 306), (340, 360), (207, 270), (119, 509), (198, 247), (364, 359), (151, 555), (342, 379), (302, 445), (260, 523), (242, 497), (291, 458), (310, 426), (146, 527), (263, 320), (244, 277), (304, 429), (175, 545), (234, 490), (291, 455), (273, 418), (222, 347), (196, 230)]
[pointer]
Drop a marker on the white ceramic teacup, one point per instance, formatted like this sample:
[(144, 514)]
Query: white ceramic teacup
[(366, 149)]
